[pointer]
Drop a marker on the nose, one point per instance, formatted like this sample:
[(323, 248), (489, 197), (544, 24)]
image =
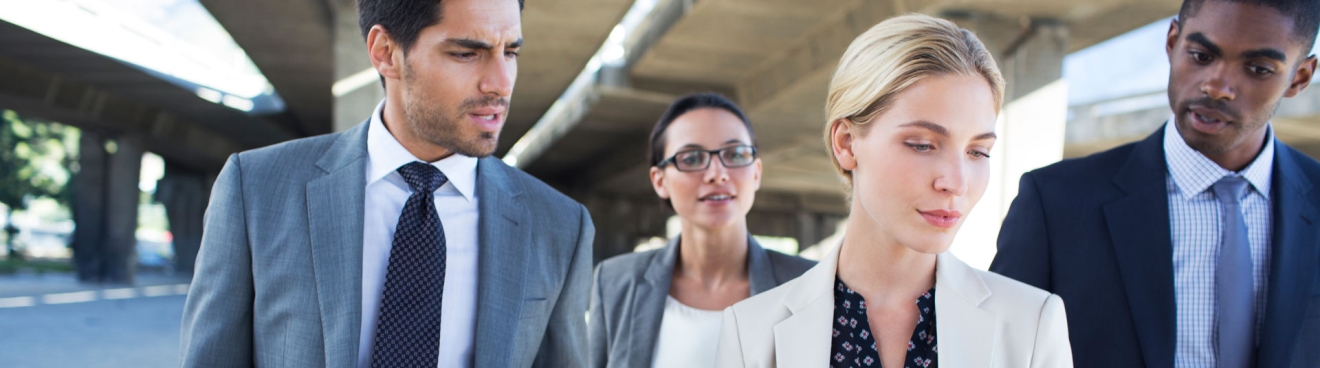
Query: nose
[(952, 178), (716, 172), (499, 77), (1218, 85)]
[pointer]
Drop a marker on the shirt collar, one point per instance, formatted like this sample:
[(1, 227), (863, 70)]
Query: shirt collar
[(1194, 173), (386, 155)]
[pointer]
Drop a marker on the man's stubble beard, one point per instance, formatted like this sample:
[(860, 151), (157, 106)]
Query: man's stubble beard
[(433, 123)]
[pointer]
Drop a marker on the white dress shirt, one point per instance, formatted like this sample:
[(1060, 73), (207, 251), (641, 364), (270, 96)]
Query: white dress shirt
[(456, 203), (688, 336), (1194, 216)]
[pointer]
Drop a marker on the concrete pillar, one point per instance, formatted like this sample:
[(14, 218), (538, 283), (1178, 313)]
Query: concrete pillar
[(184, 194), (121, 209), (1031, 124), (89, 206), (105, 208), (622, 222), (358, 87)]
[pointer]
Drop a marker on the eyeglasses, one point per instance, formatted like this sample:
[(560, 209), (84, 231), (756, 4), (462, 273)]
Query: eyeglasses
[(699, 159)]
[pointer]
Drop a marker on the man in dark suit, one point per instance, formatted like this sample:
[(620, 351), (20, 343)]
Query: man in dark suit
[(1198, 246)]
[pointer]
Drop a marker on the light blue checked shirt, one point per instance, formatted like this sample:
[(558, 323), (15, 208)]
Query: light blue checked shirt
[(1194, 218)]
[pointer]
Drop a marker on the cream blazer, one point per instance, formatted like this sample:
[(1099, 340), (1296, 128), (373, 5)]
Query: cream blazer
[(983, 320)]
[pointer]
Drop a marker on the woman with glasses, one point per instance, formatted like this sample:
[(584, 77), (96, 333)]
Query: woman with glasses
[(662, 308), (911, 115)]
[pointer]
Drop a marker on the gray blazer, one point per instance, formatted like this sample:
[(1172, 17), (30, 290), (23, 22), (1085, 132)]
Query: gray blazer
[(628, 298), (279, 274)]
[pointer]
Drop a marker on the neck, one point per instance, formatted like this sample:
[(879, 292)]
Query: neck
[(712, 256), (1238, 158), (878, 266), (396, 122)]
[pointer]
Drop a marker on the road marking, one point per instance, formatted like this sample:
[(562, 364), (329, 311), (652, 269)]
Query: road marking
[(112, 294), (65, 298), (22, 301), (94, 295)]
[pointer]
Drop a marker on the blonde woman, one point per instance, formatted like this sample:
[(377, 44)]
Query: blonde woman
[(911, 118)]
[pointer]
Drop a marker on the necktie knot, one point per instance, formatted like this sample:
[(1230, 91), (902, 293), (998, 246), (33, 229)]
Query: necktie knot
[(1229, 190), (422, 177)]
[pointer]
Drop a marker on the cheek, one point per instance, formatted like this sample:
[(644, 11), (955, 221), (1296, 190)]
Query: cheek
[(978, 179)]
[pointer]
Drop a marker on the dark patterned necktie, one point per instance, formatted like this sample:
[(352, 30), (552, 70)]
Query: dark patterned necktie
[(408, 329)]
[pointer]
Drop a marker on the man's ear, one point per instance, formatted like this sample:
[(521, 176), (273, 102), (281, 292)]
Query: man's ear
[(1301, 77), (385, 54), (1171, 39)]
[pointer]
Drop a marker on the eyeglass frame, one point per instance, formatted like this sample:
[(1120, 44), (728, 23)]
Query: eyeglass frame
[(715, 152)]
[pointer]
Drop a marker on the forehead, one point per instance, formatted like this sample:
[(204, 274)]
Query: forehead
[(1233, 26), (963, 104), (706, 127), (486, 20)]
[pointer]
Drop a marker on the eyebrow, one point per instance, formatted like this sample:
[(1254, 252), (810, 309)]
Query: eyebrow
[(469, 43), (698, 146), (1267, 53), (1205, 42), (941, 130)]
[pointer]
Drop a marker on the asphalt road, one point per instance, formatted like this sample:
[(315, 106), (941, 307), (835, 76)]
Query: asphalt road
[(139, 331)]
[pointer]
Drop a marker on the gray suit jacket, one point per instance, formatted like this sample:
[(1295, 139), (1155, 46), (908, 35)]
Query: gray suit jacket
[(279, 274), (628, 298)]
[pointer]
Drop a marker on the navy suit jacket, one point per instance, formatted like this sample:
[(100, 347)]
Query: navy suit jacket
[(1095, 231)]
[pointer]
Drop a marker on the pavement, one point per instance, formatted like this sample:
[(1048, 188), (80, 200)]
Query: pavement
[(51, 320)]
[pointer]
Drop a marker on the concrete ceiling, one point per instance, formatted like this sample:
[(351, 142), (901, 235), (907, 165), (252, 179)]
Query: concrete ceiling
[(775, 58), (47, 79)]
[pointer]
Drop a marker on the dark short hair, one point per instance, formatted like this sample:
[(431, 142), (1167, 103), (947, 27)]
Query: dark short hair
[(1305, 15), (683, 105), (404, 19)]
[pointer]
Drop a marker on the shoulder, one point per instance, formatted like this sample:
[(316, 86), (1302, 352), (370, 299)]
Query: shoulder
[(289, 155), (1102, 165), (788, 267), (1308, 166), (626, 267), (1012, 293), (534, 190)]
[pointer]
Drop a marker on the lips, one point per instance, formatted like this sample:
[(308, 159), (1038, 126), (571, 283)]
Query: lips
[(941, 218), (1206, 120), (717, 198)]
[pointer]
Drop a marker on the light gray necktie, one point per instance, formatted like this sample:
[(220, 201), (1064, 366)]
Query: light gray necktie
[(1234, 291)]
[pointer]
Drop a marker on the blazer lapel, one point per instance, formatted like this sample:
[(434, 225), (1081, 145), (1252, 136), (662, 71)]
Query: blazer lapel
[(503, 244), (334, 216), (648, 305), (1139, 227), (966, 334), (1293, 262), (803, 339)]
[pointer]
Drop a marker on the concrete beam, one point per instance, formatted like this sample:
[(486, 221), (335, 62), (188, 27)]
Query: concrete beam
[(36, 92)]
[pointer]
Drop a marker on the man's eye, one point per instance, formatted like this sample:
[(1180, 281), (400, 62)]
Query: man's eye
[(463, 55), (1201, 57), (1261, 71), (511, 54)]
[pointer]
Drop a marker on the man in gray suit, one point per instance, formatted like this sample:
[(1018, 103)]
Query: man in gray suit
[(398, 243)]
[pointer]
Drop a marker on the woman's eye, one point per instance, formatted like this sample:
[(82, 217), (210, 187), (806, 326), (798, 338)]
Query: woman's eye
[(978, 154), (921, 147)]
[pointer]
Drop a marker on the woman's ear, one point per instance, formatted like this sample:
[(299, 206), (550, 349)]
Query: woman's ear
[(658, 182), (842, 135)]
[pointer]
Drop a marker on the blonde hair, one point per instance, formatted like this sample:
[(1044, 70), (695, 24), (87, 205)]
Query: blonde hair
[(892, 56)]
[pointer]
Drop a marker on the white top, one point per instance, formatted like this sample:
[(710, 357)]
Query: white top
[(688, 336), (456, 203), (1195, 221)]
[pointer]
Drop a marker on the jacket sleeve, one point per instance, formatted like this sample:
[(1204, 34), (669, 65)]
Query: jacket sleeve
[(1024, 251), (565, 342), (729, 352), (217, 316), (1052, 349)]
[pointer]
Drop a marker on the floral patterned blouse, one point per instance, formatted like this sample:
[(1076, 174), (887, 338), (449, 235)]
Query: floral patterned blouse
[(853, 344)]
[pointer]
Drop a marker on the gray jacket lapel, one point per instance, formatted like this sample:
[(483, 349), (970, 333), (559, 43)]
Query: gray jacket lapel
[(649, 304), (334, 214), (503, 241)]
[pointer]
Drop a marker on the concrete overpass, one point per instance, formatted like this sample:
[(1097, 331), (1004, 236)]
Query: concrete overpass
[(774, 57)]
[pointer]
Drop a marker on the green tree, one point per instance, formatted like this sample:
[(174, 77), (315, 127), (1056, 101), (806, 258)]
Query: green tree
[(34, 162)]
